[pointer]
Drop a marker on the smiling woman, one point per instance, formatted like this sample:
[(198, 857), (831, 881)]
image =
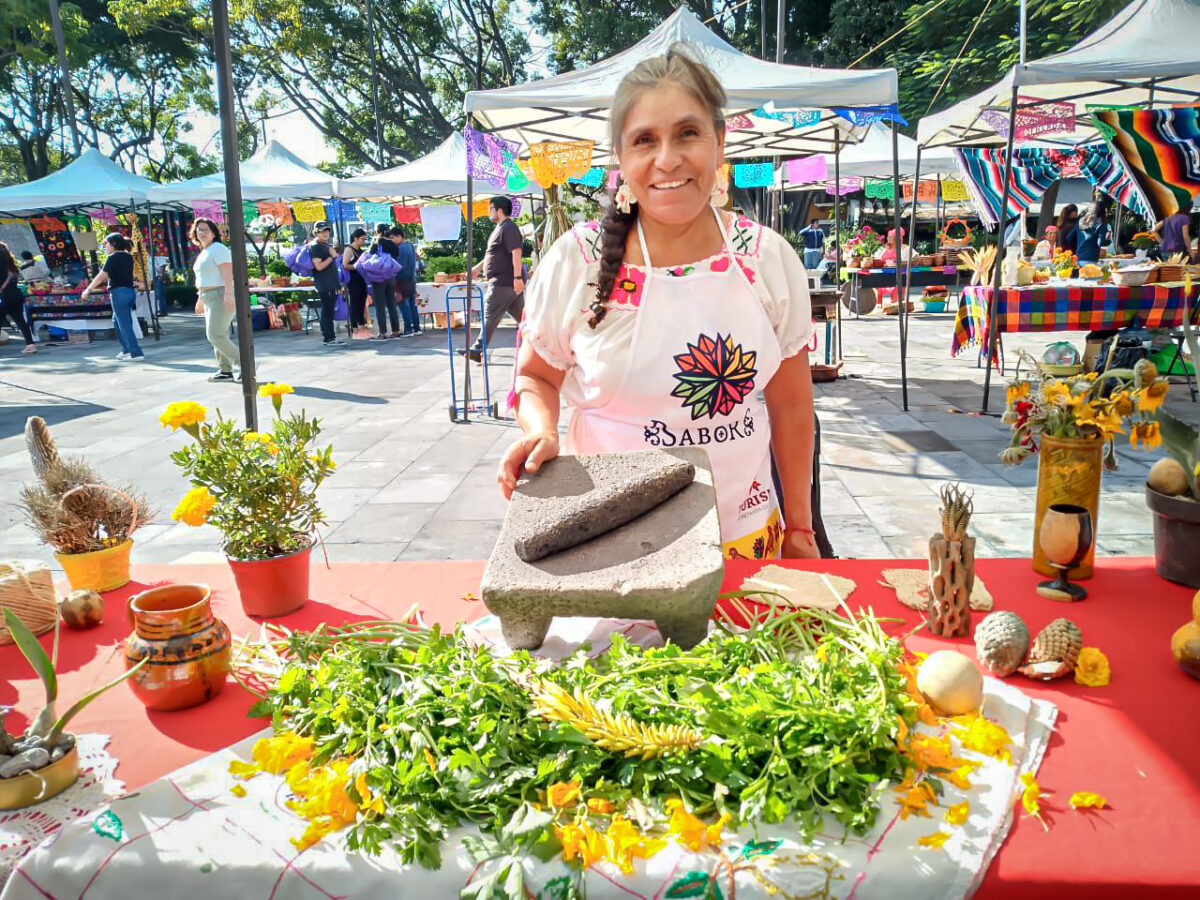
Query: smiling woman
[(673, 323)]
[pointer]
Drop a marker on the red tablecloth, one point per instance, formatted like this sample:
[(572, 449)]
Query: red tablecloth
[(1137, 741)]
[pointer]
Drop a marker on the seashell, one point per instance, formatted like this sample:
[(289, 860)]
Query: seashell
[(1001, 642), (1055, 650)]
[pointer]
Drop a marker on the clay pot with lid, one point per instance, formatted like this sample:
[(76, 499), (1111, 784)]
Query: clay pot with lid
[(187, 646)]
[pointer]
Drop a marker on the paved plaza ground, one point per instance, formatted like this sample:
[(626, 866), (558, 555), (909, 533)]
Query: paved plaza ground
[(411, 484)]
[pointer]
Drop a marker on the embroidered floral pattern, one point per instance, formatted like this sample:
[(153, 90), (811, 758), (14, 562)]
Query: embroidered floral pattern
[(681, 271), (628, 289)]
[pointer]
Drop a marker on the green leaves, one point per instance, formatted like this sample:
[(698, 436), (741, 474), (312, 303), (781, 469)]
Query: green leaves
[(41, 664)]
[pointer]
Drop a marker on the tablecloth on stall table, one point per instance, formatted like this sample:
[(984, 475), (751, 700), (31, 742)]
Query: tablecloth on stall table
[(1066, 308), (208, 842)]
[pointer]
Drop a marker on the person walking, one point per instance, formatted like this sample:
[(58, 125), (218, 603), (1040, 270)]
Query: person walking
[(357, 288), (118, 275), (406, 282), (814, 243), (501, 269), (1174, 232), (12, 301), (33, 269), (1091, 233), (325, 277), (385, 291), (1066, 227), (214, 286)]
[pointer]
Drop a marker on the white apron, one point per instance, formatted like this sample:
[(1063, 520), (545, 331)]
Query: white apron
[(701, 354)]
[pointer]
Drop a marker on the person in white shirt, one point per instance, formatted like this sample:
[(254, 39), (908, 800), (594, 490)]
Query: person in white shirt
[(214, 284), (33, 269)]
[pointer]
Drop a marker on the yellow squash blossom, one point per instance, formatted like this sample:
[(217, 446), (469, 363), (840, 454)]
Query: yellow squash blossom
[(600, 806), (957, 814), (934, 840), (692, 832), (1016, 391), (195, 506), (563, 794), (1087, 800), (625, 843), (279, 753), (184, 414), (1147, 434), (1152, 396), (1091, 668), (582, 842), (1030, 797)]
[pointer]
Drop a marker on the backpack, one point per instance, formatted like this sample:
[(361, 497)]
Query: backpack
[(299, 260), (343, 273), (376, 266)]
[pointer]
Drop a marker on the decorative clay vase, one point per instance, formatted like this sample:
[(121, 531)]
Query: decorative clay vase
[(1068, 472), (188, 647)]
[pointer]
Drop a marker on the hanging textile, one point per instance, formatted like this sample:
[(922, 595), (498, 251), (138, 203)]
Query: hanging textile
[(308, 210), (848, 185), (406, 215), (1035, 118), (555, 162), (1035, 169), (105, 215), (54, 241), (954, 191), (751, 175), (739, 122), (249, 212), (795, 118), (489, 158), (927, 190), (209, 209), (807, 170), (593, 177), (1160, 149), (275, 212), (374, 213), (866, 115), (1105, 131), (19, 236), (442, 223), (518, 177), (78, 222), (341, 210), (879, 189)]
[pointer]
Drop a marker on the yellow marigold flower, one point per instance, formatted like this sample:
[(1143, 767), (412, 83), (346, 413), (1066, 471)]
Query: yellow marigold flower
[(1087, 800), (241, 769), (692, 832), (957, 814), (625, 842), (930, 752), (195, 506), (275, 389), (1151, 397), (1091, 668), (1031, 796), (279, 753), (183, 414), (1016, 391), (257, 437), (238, 790), (600, 806), (1147, 434), (563, 794), (934, 840)]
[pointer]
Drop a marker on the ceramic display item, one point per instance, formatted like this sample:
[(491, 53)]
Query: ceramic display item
[(1068, 472), (1176, 537), (1065, 537), (1185, 643), (82, 609), (188, 648), (272, 587), (951, 567), (41, 784), (1055, 651), (1001, 642)]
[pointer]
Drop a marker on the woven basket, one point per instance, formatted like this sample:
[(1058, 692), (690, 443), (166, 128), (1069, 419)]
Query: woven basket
[(29, 593), (1168, 272)]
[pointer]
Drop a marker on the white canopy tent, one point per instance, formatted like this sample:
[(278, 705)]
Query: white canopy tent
[(574, 105), (273, 173), (872, 158), (89, 181)]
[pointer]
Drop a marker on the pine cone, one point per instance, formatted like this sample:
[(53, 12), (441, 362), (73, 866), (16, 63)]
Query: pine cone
[(1001, 642), (43, 452), (1055, 651)]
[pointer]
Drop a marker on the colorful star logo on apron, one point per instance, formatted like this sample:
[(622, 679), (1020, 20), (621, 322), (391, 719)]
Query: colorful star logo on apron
[(714, 376)]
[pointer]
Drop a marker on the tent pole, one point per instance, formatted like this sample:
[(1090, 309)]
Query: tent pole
[(993, 301), (233, 198), (470, 300), (837, 232), (912, 233), (901, 300), (147, 266)]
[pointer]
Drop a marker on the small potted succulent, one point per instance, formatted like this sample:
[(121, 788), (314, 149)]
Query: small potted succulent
[(44, 760), (260, 490)]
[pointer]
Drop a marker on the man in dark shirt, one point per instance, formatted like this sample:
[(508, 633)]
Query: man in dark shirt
[(501, 269), (406, 281), (814, 243), (384, 292), (325, 277)]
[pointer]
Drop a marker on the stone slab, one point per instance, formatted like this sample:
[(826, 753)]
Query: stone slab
[(576, 498), (665, 565)]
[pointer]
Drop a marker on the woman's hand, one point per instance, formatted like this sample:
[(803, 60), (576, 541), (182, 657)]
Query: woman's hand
[(799, 545), (525, 455), (199, 307)]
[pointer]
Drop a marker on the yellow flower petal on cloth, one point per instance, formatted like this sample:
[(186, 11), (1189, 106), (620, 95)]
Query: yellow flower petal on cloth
[(957, 814), (934, 840), (242, 769), (1091, 668), (1087, 800)]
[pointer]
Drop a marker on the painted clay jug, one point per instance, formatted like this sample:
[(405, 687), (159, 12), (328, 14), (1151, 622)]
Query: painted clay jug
[(188, 647)]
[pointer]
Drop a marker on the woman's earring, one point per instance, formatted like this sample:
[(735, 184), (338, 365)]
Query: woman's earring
[(720, 191), (624, 198)]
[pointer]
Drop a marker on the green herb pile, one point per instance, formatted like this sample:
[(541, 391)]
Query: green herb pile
[(449, 733)]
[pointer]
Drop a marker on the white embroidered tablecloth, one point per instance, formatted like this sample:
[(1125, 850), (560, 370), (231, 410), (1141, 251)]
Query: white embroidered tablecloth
[(189, 832)]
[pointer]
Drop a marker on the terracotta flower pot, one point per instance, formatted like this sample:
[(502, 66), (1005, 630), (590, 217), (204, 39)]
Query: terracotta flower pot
[(272, 587), (1176, 537), (188, 647), (1068, 472)]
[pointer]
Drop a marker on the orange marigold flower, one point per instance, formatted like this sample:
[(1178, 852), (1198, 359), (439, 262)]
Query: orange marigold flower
[(563, 794)]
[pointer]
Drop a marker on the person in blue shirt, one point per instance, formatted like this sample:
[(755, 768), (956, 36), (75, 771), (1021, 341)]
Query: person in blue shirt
[(406, 281), (1091, 233), (814, 244)]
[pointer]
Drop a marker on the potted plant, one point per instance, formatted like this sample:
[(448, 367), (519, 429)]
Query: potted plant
[(44, 760), (88, 522), (260, 490), (1064, 262), (1142, 243), (1071, 424)]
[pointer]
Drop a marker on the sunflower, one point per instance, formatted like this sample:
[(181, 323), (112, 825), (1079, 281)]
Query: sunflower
[(1016, 391), (1123, 404), (1147, 434), (1151, 397)]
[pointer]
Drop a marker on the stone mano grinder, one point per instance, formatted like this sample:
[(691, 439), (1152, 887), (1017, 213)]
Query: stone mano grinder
[(617, 535)]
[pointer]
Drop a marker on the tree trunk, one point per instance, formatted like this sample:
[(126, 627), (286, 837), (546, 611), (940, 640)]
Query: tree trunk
[(951, 578)]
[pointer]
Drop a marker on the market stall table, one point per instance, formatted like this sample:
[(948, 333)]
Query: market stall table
[(70, 312), (1078, 306), (1132, 742)]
